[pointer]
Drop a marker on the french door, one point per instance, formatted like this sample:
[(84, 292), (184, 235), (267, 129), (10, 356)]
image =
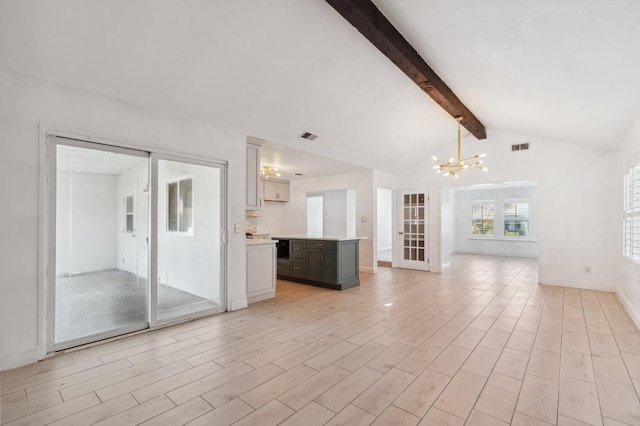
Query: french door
[(412, 236), (136, 240)]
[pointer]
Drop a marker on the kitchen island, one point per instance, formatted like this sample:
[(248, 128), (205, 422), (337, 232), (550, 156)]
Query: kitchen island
[(324, 262)]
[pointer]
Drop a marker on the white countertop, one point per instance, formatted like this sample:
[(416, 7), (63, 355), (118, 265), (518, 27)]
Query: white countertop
[(304, 237), (259, 241)]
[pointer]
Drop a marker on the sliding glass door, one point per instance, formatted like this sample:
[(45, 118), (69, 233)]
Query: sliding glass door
[(101, 252), (190, 241), (137, 240)]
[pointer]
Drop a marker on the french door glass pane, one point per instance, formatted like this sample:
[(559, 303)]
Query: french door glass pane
[(102, 229), (413, 224), (189, 243)]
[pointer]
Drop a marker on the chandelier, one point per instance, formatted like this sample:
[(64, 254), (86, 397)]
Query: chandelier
[(454, 169), (267, 171)]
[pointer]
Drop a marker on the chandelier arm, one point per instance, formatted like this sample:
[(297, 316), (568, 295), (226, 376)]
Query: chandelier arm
[(454, 168)]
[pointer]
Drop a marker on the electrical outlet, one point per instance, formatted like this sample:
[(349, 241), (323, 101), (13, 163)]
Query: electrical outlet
[(363, 219), (237, 228)]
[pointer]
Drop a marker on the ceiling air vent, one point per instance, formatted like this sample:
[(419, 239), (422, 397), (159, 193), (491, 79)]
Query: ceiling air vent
[(309, 136), (520, 146)]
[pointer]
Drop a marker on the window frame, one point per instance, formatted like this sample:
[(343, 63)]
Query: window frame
[(483, 219), (631, 213), (527, 219), (193, 203)]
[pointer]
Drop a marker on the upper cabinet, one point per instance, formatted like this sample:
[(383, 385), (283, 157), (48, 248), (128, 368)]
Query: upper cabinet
[(276, 190), (254, 193)]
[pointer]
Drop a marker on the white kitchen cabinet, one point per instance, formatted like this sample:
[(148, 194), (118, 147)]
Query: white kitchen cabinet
[(261, 270), (254, 186), (275, 190)]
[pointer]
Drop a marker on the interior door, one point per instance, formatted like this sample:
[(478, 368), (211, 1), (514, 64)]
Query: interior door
[(130, 249), (412, 236)]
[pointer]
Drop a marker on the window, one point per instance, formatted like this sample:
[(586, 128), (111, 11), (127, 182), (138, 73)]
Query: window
[(631, 225), (180, 206), (129, 214), (516, 218), (482, 217)]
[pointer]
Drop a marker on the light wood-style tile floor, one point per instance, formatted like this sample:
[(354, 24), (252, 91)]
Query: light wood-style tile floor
[(480, 344)]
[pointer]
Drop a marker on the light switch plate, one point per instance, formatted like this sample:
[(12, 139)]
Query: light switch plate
[(237, 228), (364, 218)]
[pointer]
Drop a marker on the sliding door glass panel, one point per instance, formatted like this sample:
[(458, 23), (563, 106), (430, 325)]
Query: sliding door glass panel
[(102, 229), (190, 206)]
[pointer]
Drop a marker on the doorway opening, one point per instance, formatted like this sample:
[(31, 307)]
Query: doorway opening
[(499, 219), (384, 227)]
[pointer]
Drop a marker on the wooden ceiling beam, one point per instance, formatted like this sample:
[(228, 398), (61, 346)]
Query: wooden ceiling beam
[(372, 24)]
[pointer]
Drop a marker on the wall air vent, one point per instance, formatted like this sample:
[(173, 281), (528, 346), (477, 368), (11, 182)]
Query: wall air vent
[(309, 136), (520, 146)]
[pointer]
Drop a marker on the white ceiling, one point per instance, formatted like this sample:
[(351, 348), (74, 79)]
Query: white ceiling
[(564, 69)]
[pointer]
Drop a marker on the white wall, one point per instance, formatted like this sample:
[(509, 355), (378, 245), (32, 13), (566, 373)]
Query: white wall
[(465, 242), (448, 225), (272, 220), (28, 102), (336, 208), (362, 182), (191, 262), (384, 218), (578, 192), (87, 222), (628, 273)]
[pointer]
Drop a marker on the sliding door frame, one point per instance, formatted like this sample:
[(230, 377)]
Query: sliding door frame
[(52, 143), (47, 228), (154, 322)]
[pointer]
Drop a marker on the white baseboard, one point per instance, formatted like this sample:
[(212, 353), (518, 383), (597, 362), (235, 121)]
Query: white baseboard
[(260, 297), (631, 310), (582, 285), (235, 305), (367, 269), (18, 359), (496, 253)]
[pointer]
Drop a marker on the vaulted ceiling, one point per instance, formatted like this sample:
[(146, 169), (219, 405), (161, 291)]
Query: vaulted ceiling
[(563, 70)]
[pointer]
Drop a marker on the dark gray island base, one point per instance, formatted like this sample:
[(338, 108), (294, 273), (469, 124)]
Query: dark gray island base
[(328, 262)]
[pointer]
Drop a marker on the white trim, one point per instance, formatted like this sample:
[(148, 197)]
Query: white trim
[(128, 144), (18, 359), (634, 314), (367, 269), (495, 253), (188, 176), (510, 239), (43, 251), (582, 285), (235, 305)]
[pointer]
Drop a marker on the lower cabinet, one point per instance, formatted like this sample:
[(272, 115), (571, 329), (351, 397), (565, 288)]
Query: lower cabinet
[(283, 267), (298, 269), (261, 272), (325, 263), (322, 266)]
